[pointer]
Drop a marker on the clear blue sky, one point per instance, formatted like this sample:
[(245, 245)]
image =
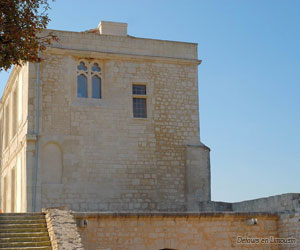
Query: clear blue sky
[(249, 80)]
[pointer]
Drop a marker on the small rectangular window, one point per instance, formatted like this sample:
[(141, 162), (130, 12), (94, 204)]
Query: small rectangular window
[(139, 101), (139, 108), (138, 89)]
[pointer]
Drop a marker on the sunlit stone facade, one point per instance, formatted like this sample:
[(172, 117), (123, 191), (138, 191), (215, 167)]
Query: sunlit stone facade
[(106, 122)]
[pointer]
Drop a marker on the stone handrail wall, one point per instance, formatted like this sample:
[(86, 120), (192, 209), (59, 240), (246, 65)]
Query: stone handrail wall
[(279, 203), (52, 236), (62, 230)]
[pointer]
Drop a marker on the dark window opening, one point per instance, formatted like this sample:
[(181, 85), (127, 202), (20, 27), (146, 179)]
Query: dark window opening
[(82, 86), (138, 89), (96, 67), (96, 87), (139, 108), (82, 66)]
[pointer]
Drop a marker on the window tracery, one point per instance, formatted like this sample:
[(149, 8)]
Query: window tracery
[(89, 80)]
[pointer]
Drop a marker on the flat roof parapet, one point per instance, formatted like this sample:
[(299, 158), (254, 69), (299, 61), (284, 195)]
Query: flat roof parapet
[(79, 215)]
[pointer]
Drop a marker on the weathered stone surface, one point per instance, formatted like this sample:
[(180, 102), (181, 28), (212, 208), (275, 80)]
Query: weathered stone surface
[(289, 226), (62, 230), (279, 203), (92, 154), (130, 231)]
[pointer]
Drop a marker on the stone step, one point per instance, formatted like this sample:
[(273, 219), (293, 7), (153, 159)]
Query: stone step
[(39, 221), (36, 217), (27, 248), (11, 226), (25, 244), (23, 230), (24, 239), (26, 234)]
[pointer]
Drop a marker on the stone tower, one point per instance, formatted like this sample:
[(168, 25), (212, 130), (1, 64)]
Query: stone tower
[(106, 122)]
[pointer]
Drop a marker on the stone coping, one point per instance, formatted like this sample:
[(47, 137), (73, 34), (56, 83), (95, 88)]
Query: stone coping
[(277, 196), (113, 36), (79, 215)]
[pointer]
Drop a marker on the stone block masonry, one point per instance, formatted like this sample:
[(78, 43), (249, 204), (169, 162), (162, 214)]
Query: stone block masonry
[(92, 154), (138, 164), (278, 203), (289, 226), (187, 231), (154, 231)]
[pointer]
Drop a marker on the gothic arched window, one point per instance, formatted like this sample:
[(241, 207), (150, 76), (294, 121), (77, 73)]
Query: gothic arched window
[(82, 66), (96, 81), (89, 80), (96, 87), (82, 86), (96, 68)]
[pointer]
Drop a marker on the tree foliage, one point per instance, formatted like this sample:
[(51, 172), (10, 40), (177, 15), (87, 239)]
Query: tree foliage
[(21, 24)]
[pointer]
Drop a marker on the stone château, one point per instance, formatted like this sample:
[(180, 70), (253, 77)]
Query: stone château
[(106, 122), (107, 125)]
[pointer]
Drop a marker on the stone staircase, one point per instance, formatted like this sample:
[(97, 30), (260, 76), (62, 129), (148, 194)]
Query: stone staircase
[(24, 231)]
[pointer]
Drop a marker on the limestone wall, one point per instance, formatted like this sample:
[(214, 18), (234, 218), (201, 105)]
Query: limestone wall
[(289, 227), (106, 160), (278, 203), (13, 125), (197, 175), (176, 231)]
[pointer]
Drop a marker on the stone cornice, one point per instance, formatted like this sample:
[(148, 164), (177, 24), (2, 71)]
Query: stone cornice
[(121, 56)]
